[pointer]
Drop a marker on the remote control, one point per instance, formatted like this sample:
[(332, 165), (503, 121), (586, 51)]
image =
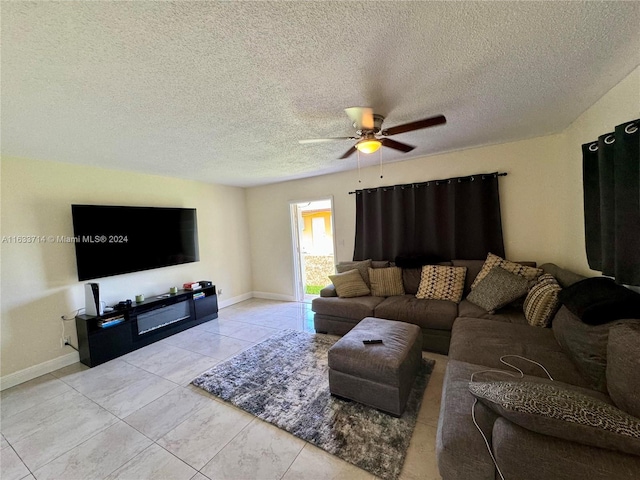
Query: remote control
[(370, 342)]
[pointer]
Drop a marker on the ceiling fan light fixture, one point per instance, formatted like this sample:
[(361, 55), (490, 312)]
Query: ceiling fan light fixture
[(369, 145)]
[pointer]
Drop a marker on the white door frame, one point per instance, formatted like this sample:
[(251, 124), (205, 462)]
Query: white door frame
[(296, 216)]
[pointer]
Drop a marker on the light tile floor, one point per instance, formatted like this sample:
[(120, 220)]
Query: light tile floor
[(137, 417)]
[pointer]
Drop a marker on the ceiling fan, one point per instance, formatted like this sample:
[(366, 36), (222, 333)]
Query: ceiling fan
[(370, 134)]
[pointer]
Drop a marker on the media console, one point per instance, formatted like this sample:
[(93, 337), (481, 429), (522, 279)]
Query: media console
[(113, 334)]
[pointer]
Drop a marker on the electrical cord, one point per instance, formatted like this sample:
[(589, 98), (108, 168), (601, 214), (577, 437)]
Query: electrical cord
[(67, 318), (475, 402)]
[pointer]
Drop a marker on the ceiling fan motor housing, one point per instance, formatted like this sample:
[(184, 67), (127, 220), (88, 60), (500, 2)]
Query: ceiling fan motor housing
[(377, 126)]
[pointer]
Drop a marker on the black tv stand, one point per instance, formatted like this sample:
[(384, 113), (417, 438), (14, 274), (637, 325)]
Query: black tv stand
[(115, 333)]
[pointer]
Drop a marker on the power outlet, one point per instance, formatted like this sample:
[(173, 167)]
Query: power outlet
[(65, 340), (219, 291)]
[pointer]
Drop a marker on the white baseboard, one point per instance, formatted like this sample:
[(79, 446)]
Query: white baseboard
[(233, 300), (35, 371), (274, 296)]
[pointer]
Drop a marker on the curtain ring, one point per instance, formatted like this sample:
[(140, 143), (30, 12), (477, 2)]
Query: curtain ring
[(448, 181), (428, 183), (609, 139), (631, 128), (459, 180), (593, 147), (472, 179)]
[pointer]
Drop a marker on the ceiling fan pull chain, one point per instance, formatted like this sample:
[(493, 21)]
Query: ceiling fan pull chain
[(359, 178), (381, 176)]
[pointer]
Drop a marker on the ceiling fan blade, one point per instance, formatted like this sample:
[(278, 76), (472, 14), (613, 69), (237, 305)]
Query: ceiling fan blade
[(348, 152), (361, 116), (403, 147), (326, 140), (417, 125)]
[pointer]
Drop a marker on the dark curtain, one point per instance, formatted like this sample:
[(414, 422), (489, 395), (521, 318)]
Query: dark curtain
[(458, 218), (611, 179)]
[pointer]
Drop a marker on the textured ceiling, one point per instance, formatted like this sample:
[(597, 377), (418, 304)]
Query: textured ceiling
[(222, 91)]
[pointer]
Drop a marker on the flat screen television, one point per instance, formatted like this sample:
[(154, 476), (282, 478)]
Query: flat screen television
[(111, 240)]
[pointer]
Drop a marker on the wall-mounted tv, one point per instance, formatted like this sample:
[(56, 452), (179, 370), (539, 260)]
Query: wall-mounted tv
[(111, 240)]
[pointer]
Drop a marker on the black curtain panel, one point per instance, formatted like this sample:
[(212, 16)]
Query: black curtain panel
[(457, 218), (611, 179)]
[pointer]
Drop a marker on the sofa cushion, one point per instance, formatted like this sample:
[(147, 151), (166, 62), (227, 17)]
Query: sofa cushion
[(411, 280), (530, 273), (585, 345), (483, 342), (433, 314), (386, 282), (349, 284), (438, 282), (564, 277), (355, 308), (362, 266), (553, 410), (599, 300), (497, 289), (462, 455), (542, 301), (623, 367), (506, 314), (522, 453), (473, 268)]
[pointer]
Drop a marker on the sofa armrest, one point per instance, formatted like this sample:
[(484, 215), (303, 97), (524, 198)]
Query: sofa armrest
[(328, 291)]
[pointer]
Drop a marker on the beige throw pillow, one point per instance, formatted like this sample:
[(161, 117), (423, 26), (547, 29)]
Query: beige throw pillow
[(442, 283), (386, 282), (542, 301), (349, 284), (530, 273)]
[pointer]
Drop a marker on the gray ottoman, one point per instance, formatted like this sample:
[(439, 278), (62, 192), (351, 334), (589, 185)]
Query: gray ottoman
[(378, 375)]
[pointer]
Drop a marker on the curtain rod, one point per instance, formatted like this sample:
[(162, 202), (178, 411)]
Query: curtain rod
[(437, 182)]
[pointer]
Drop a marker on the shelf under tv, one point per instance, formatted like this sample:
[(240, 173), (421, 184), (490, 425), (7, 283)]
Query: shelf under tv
[(103, 338)]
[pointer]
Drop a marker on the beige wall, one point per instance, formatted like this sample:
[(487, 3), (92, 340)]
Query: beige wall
[(39, 281), (541, 197)]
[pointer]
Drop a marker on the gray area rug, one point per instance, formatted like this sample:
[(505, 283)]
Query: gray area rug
[(284, 381)]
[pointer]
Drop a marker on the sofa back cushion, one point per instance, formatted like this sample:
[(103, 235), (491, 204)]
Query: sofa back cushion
[(623, 367), (473, 268), (585, 344), (564, 277), (362, 266), (411, 280)]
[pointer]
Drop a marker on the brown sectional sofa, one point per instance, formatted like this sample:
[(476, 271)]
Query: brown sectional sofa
[(475, 341)]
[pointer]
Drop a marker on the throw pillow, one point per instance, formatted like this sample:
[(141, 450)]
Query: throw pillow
[(542, 301), (349, 284), (386, 282), (600, 300), (623, 367), (363, 267), (497, 289), (442, 283), (550, 409), (530, 273)]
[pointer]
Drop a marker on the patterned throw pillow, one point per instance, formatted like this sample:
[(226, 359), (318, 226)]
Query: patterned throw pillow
[(442, 283), (553, 410), (362, 266), (349, 284), (386, 282), (497, 289), (542, 301), (530, 273)]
